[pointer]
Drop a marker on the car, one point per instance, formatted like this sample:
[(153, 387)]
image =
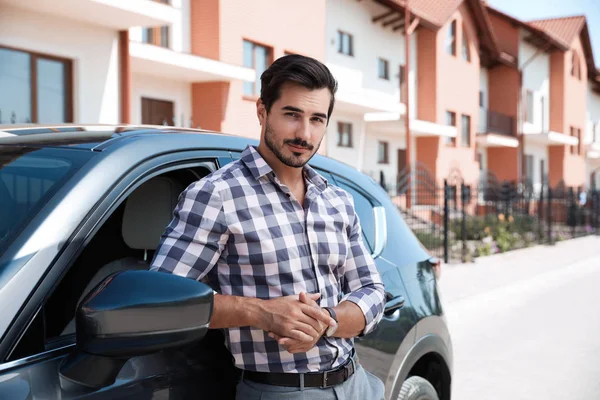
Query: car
[(82, 209)]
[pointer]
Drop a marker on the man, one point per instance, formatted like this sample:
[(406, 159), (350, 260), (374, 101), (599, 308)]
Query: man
[(282, 248)]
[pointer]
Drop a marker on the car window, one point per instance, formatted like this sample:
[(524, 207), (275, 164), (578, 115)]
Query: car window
[(364, 210), (117, 245), (28, 180)]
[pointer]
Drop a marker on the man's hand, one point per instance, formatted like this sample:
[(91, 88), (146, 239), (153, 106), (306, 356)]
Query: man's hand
[(293, 345), (296, 317)]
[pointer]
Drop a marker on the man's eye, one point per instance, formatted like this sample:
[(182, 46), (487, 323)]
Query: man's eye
[(318, 119), (293, 115)]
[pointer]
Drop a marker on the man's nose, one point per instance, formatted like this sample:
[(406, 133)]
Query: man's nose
[(304, 131)]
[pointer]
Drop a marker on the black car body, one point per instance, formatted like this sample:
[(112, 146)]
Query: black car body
[(68, 197)]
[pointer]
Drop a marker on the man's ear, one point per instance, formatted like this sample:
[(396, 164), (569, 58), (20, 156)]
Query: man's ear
[(261, 112)]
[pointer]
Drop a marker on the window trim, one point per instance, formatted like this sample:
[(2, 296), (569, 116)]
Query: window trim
[(465, 44), (386, 64), (340, 37), (270, 54), (340, 132), (68, 87), (462, 132), (386, 155), (451, 35), (450, 141)]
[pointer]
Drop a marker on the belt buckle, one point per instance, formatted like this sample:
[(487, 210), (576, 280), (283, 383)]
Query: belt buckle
[(324, 380)]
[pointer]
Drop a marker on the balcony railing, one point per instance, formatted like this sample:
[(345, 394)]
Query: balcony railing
[(495, 122)]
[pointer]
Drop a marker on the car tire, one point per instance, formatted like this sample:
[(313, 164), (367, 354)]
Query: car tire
[(417, 388)]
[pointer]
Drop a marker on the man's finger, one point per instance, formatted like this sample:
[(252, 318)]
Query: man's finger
[(299, 335), (318, 314)]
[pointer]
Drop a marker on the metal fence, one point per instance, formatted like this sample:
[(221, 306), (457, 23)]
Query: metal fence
[(458, 222)]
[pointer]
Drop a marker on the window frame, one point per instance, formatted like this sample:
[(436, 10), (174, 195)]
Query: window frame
[(467, 135), (529, 106), (340, 36), (84, 233), (450, 115), (386, 151), (382, 62), (269, 49), (341, 132), (68, 81), (450, 44), (465, 46)]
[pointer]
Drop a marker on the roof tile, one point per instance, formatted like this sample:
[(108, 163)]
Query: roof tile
[(563, 30)]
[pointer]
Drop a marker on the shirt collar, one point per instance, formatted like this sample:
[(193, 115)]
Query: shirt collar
[(258, 168)]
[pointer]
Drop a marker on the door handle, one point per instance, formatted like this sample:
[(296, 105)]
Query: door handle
[(393, 304)]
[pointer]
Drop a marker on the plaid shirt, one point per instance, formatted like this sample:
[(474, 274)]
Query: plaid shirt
[(242, 232)]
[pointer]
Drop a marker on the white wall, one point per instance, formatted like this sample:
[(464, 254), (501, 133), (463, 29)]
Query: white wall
[(371, 166), (536, 77), (94, 52), (348, 155), (370, 41), (180, 93), (485, 88), (539, 152), (593, 114)]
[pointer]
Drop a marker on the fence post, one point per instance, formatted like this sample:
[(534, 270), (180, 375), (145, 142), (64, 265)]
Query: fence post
[(463, 230), (446, 210), (549, 215)]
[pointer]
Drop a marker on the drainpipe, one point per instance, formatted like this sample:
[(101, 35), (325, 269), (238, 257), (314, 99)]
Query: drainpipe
[(409, 28), (124, 77)]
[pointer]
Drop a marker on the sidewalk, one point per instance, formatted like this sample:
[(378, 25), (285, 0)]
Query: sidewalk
[(487, 273)]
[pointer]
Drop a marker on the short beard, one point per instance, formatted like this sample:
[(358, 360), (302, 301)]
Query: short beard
[(291, 161)]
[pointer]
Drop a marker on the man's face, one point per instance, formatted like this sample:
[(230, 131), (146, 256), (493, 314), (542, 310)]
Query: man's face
[(295, 126)]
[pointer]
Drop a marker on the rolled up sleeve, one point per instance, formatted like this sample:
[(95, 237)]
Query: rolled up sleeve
[(195, 238), (362, 281)]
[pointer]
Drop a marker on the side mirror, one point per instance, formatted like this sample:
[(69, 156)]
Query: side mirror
[(134, 313)]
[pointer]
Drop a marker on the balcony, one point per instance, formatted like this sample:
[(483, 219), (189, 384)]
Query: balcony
[(496, 123), (162, 62), (354, 97), (496, 129), (113, 14)]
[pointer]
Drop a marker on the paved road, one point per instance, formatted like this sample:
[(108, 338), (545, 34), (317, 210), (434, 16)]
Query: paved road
[(527, 326)]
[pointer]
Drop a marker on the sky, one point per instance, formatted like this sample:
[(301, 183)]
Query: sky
[(527, 10)]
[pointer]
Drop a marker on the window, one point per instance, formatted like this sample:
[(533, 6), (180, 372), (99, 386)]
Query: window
[(383, 68), (543, 112), (529, 163), (364, 210), (450, 121), (451, 39), (466, 54), (382, 153), (105, 253), (465, 139), (529, 106), (575, 67), (344, 134), (345, 43), (156, 36), (402, 78), (481, 99), (258, 58), (34, 88), (576, 148)]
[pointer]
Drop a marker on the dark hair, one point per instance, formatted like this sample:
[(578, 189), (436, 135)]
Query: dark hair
[(305, 71)]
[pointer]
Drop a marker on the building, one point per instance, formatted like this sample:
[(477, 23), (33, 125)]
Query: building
[(491, 98)]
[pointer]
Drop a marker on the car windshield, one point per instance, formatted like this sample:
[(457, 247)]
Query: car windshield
[(29, 178)]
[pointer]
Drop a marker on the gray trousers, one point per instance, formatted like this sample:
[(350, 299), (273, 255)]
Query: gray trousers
[(362, 385)]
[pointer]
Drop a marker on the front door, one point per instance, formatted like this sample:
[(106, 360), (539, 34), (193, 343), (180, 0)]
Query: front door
[(157, 112)]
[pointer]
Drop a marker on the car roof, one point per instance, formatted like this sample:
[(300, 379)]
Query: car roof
[(100, 137)]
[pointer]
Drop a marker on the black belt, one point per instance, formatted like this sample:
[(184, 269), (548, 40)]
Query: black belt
[(311, 379)]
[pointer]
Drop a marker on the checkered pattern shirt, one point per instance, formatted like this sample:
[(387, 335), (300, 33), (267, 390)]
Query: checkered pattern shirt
[(241, 231)]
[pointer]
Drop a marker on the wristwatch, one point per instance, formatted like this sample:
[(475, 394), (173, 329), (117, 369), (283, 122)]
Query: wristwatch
[(331, 329)]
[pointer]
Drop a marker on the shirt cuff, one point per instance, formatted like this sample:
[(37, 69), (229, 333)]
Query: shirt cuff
[(371, 301)]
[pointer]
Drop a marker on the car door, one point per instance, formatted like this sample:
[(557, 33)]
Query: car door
[(32, 369), (378, 350)]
